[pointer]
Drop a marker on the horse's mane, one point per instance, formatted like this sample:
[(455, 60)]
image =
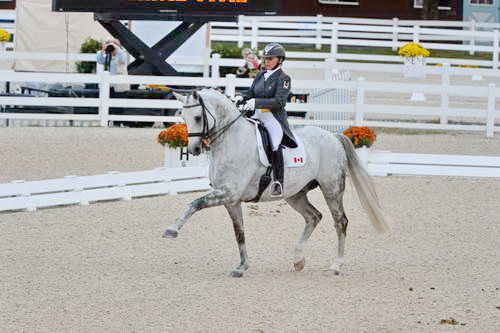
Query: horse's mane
[(217, 99)]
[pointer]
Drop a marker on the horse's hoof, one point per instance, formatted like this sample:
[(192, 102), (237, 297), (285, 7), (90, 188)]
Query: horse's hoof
[(335, 269), (237, 273), (299, 265), (170, 233)]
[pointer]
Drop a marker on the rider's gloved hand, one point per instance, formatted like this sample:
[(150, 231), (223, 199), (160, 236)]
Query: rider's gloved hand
[(249, 105), (238, 99)]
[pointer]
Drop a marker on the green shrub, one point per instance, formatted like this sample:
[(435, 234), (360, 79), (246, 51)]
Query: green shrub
[(89, 46), (227, 51)]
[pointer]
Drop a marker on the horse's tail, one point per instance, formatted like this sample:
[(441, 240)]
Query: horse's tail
[(364, 186)]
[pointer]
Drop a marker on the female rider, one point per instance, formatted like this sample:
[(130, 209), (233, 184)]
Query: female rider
[(268, 96)]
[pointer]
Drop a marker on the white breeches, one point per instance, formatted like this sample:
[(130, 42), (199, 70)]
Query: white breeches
[(272, 125)]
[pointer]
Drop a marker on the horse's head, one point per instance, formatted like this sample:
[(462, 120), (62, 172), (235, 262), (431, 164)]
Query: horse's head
[(199, 119)]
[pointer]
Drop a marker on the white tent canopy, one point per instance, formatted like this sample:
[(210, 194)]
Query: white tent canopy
[(38, 29)]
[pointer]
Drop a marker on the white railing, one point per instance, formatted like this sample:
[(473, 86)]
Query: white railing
[(375, 115), (335, 32), (383, 163), (211, 65), (30, 195)]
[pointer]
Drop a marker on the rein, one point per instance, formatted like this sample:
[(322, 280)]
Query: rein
[(207, 135)]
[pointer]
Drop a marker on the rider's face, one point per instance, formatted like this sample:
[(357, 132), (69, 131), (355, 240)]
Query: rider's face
[(271, 62)]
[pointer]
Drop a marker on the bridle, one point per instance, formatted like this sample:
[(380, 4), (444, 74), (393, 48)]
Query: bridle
[(209, 135)]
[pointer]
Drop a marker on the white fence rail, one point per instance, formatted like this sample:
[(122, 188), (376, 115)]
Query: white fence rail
[(385, 163), (212, 64), (29, 196), (363, 113), (21, 195), (335, 32)]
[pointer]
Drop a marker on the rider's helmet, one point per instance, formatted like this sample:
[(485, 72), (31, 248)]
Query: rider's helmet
[(274, 50)]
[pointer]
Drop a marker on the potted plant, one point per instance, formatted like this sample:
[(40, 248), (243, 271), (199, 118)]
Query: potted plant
[(175, 141), (4, 38), (362, 137), (413, 55)]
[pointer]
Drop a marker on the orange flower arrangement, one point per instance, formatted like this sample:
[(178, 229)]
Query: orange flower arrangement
[(174, 136), (361, 136)]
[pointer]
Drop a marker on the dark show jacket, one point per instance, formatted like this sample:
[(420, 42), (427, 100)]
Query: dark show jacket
[(273, 94)]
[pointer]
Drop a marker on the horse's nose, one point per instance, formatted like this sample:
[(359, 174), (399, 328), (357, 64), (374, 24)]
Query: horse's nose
[(196, 150)]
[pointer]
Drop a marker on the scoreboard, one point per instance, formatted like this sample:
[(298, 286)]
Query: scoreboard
[(184, 8)]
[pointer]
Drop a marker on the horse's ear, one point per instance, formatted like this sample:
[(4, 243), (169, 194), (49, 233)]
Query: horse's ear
[(195, 95), (179, 97)]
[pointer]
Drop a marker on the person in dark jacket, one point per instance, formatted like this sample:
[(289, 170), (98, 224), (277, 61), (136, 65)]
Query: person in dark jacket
[(268, 96)]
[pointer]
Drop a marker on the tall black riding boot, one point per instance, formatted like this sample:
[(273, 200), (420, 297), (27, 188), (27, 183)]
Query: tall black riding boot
[(277, 185)]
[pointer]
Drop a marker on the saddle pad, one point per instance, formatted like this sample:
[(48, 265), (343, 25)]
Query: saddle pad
[(292, 157)]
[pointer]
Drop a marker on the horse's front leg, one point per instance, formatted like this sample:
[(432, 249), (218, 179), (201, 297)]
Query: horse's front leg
[(239, 231), (212, 199)]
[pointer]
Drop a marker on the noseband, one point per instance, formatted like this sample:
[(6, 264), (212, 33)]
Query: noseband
[(208, 135), (205, 133)]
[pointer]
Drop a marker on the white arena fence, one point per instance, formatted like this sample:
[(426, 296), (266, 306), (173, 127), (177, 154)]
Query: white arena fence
[(362, 113), (334, 32), (211, 64), (30, 195), (383, 163), (331, 97)]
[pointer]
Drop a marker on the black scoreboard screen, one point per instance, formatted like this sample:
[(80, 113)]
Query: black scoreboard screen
[(182, 7)]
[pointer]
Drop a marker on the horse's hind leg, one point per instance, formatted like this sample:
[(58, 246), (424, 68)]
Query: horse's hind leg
[(333, 195), (239, 231), (312, 217)]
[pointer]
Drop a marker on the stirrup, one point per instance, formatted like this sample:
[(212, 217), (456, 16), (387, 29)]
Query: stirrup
[(277, 189)]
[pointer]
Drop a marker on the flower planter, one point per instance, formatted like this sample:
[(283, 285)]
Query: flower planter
[(412, 63), (179, 158), (364, 155)]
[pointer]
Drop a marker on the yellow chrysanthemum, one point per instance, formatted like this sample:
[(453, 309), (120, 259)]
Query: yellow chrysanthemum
[(4, 36), (413, 50)]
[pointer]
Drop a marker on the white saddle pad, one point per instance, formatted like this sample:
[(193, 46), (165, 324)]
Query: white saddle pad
[(292, 157)]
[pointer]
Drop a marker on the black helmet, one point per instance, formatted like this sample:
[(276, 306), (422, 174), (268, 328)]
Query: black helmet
[(274, 50)]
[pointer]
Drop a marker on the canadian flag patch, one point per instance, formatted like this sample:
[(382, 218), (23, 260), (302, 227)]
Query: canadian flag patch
[(298, 160)]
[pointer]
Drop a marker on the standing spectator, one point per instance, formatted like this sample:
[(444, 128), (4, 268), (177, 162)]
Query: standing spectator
[(114, 59)]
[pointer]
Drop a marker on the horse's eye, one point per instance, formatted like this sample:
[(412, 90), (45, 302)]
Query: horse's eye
[(197, 119)]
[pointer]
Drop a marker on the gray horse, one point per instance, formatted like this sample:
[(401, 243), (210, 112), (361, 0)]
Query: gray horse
[(235, 171)]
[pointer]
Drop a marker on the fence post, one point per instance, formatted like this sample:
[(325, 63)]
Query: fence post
[(216, 65), (472, 38), (334, 41), (445, 98), (416, 32), (25, 194), (360, 101), (78, 190), (206, 63), (255, 33), (231, 85), (495, 49), (104, 98), (490, 113), (329, 69), (241, 30), (395, 33), (319, 31)]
